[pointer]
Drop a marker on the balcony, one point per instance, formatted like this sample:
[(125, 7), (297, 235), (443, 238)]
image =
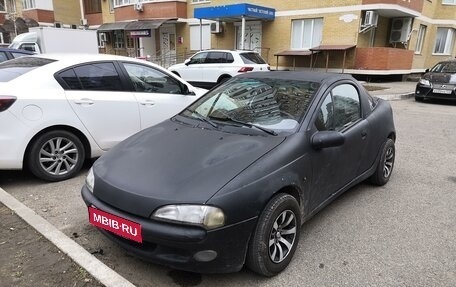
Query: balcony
[(383, 58), (151, 10), (415, 5)]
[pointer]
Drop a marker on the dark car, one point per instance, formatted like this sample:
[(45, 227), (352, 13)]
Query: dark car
[(231, 179), (438, 82), (8, 54)]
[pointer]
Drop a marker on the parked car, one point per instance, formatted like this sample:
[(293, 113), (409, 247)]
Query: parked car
[(438, 82), (232, 178), (58, 110), (208, 68), (8, 54)]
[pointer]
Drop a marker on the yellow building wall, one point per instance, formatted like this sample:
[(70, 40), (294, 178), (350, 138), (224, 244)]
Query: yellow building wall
[(108, 16), (67, 11)]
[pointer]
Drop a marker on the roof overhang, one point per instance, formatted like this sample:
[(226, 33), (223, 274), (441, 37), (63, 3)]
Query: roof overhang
[(332, 48), (134, 25), (235, 12)]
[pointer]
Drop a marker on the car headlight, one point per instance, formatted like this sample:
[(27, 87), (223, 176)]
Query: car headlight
[(207, 216), (90, 180), (425, 82)]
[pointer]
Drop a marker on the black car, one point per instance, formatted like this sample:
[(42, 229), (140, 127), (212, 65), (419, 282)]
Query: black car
[(438, 82), (231, 179), (8, 54)]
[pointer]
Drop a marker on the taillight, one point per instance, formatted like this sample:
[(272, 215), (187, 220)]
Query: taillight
[(6, 102), (245, 69)]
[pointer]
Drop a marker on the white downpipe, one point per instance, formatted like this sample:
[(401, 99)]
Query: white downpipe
[(242, 33), (201, 34), (81, 4)]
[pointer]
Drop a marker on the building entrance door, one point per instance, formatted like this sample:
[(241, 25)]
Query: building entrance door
[(252, 36), (168, 45)]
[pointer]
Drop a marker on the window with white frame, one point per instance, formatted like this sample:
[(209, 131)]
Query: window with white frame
[(28, 4), (444, 41), (111, 6), (306, 33), (123, 2), (420, 39), (195, 39), (2, 6), (119, 39), (450, 2), (198, 1)]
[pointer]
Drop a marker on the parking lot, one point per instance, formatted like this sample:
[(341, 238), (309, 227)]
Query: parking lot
[(401, 234)]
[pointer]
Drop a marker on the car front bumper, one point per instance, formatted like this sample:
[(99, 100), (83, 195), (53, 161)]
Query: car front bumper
[(445, 92), (181, 246)]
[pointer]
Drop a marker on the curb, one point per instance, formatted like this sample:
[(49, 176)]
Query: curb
[(79, 255), (396, 97)]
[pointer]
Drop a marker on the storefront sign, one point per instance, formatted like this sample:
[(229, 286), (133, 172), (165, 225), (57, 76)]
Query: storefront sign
[(140, 33)]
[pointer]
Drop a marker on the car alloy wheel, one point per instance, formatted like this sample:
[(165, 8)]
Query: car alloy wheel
[(282, 236), (385, 165), (388, 163), (56, 155), (275, 237)]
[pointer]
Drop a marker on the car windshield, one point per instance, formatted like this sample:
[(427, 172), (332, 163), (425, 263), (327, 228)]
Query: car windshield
[(444, 67), (14, 68), (252, 58), (263, 103)]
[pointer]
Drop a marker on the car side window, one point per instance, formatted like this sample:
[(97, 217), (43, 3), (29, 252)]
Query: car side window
[(3, 57), (340, 109), (229, 58), (17, 55), (70, 78), (216, 58), (149, 80), (99, 77), (199, 58), (347, 108)]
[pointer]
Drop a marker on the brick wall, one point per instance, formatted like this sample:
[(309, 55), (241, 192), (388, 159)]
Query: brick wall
[(416, 5), (383, 58), (40, 15), (152, 10)]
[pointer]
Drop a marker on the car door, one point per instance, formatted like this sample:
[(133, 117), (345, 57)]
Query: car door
[(217, 64), (334, 168), (97, 96), (160, 96), (193, 71)]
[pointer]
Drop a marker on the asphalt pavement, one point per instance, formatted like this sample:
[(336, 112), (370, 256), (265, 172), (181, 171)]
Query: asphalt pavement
[(389, 91)]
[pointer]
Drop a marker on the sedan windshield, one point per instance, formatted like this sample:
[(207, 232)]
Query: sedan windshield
[(444, 67), (261, 103), (12, 69)]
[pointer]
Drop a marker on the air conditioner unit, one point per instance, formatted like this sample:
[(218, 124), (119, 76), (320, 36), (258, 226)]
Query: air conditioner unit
[(370, 19), (83, 22), (400, 29), (58, 25), (216, 27), (138, 6), (73, 26)]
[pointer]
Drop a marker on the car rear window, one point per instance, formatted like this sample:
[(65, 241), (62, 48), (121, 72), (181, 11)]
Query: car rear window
[(252, 58), (14, 68)]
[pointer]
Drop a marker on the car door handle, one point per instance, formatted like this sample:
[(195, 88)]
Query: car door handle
[(364, 134), (84, 101), (147, 103)]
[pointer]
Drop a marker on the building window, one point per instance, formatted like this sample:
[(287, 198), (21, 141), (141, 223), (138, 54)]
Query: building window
[(420, 39), (195, 42), (2, 6), (449, 2), (28, 4), (92, 6), (119, 39), (199, 1), (306, 33), (123, 2), (111, 6), (444, 41)]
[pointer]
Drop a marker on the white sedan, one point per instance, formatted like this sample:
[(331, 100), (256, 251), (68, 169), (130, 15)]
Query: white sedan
[(58, 110)]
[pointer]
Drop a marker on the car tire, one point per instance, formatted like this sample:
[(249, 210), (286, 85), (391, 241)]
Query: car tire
[(385, 165), (56, 155), (270, 250)]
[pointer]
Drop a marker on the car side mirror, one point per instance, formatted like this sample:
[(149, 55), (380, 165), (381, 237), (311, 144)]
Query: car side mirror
[(427, 70), (185, 90), (326, 139), (187, 62)]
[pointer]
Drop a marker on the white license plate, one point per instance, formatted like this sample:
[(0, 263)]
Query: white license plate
[(439, 91)]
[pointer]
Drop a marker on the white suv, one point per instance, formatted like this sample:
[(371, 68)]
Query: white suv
[(210, 67)]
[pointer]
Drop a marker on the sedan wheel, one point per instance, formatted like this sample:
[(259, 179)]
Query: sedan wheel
[(56, 155), (276, 236), (385, 166)]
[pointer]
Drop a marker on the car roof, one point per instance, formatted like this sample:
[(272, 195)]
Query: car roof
[(311, 76), (2, 49), (228, 51)]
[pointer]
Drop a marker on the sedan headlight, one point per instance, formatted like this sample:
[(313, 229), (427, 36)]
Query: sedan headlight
[(425, 82), (90, 180), (207, 216)]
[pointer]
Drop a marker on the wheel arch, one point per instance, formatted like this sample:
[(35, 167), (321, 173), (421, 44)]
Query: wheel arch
[(392, 136), (223, 76), (75, 131)]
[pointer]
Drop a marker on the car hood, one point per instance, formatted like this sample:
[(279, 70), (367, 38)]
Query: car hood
[(441, 78), (174, 163), (176, 66)]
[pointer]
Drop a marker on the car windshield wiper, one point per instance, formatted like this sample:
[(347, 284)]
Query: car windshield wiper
[(202, 118), (226, 118)]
